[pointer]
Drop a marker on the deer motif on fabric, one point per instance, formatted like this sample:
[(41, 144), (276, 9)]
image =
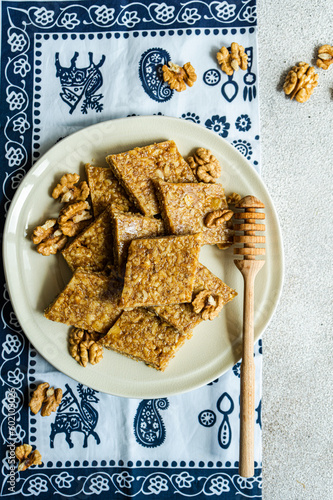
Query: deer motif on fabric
[(74, 416)]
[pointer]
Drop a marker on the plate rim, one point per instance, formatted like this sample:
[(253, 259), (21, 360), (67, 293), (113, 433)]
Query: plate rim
[(104, 123)]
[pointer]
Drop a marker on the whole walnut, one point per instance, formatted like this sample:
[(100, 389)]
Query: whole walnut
[(204, 165)]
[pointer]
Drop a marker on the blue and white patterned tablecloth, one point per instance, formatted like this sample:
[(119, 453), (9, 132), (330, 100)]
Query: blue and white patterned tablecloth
[(64, 66)]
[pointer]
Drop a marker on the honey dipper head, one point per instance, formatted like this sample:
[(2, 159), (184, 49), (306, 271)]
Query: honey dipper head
[(249, 202), (249, 227)]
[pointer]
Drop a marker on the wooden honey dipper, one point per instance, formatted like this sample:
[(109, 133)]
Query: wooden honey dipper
[(249, 268)]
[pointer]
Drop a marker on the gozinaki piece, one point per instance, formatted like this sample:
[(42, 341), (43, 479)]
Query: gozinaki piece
[(209, 296), (161, 270), (190, 208), (105, 190), (136, 170), (90, 301), (93, 248), (128, 227), (141, 335)]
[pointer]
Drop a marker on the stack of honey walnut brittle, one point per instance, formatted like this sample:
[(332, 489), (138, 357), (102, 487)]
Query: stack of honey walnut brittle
[(138, 287)]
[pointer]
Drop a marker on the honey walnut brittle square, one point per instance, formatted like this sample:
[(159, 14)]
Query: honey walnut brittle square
[(136, 170), (182, 316), (105, 190), (93, 248), (127, 227), (143, 336), (89, 301), (161, 270), (185, 206)]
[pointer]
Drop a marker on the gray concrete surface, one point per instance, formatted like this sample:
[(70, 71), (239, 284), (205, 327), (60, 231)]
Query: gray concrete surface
[(297, 163)]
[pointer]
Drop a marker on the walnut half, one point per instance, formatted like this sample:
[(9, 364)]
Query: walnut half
[(208, 304), (73, 218), (233, 61), (204, 165), (177, 77), (301, 82), (67, 191), (27, 457), (49, 238), (325, 56), (45, 398), (217, 217), (83, 347)]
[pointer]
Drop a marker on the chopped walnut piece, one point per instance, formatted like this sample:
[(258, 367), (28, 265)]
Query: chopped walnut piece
[(68, 191), (301, 82), (230, 62), (73, 218), (83, 347), (214, 219), (204, 165), (45, 398), (177, 77), (27, 457), (208, 304), (48, 238), (192, 163), (224, 246), (82, 194), (233, 198), (325, 56)]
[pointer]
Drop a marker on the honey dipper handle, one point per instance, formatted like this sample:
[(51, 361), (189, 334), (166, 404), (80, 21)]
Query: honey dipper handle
[(249, 269)]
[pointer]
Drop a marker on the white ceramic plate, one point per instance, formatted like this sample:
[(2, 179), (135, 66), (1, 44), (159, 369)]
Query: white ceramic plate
[(34, 280)]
